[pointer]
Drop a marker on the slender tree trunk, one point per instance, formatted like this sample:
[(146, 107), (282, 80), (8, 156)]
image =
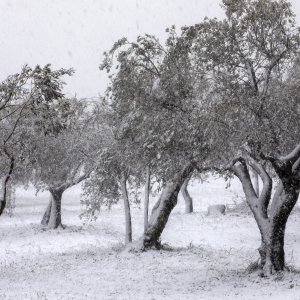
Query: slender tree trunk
[(186, 196), (3, 195), (5, 181), (162, 209), (46, 217), (55, 213), (128, 226), (147, 193)]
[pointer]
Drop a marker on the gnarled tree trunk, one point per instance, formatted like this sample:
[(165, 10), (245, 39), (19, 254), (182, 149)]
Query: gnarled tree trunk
[(52, 215), (186, 196), (272, 222), (162, 209)]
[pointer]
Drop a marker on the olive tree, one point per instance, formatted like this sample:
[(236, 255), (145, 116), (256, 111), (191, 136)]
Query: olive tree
[(58, 161), (247, 58), (28, 99), (158, 115)]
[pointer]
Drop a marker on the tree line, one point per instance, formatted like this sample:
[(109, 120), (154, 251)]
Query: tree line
[(220, 96)]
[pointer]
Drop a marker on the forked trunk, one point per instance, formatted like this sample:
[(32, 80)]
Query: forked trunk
[(186, 196), (52, 215), (55, 213), (271, 222), (163, 207), (128, 226), (147, 193)]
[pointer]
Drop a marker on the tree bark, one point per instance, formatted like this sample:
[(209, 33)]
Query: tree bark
[(147, 193), (5, 181), (55, 212), (277, 247), (186, 196), (128, 226), (272, 257), (255, 180), (46, 217), (163, 208), (3, 195)]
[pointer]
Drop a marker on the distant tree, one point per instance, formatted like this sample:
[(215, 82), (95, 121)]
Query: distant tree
[(58, 161), (28, 99)]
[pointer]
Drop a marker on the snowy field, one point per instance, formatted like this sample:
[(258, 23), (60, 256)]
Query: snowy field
[(207, 259)]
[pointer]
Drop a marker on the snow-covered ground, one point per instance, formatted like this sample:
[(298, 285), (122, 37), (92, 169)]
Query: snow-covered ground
[(207, 259)]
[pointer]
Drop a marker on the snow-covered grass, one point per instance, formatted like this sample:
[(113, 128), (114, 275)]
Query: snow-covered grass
[(207, 259)]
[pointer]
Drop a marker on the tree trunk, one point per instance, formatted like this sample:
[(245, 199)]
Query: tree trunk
[(128, 226), (255, 180), (55, 213), (280, 215), (277, 247), (272, 248), (3, 195), (46, 217), (5, 181), (271, 222), (146, 204), (52, 215), (186, 196), (162, 209)]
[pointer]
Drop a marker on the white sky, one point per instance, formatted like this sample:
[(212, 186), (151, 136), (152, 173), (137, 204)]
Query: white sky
[(75, 33)]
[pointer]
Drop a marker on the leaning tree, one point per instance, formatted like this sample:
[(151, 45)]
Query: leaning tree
[(158, 114)]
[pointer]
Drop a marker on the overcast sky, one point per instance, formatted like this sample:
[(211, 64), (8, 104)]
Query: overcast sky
[(75, 33)]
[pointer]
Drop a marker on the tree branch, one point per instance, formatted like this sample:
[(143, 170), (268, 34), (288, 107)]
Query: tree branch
[(265, 196), (293, 156)]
